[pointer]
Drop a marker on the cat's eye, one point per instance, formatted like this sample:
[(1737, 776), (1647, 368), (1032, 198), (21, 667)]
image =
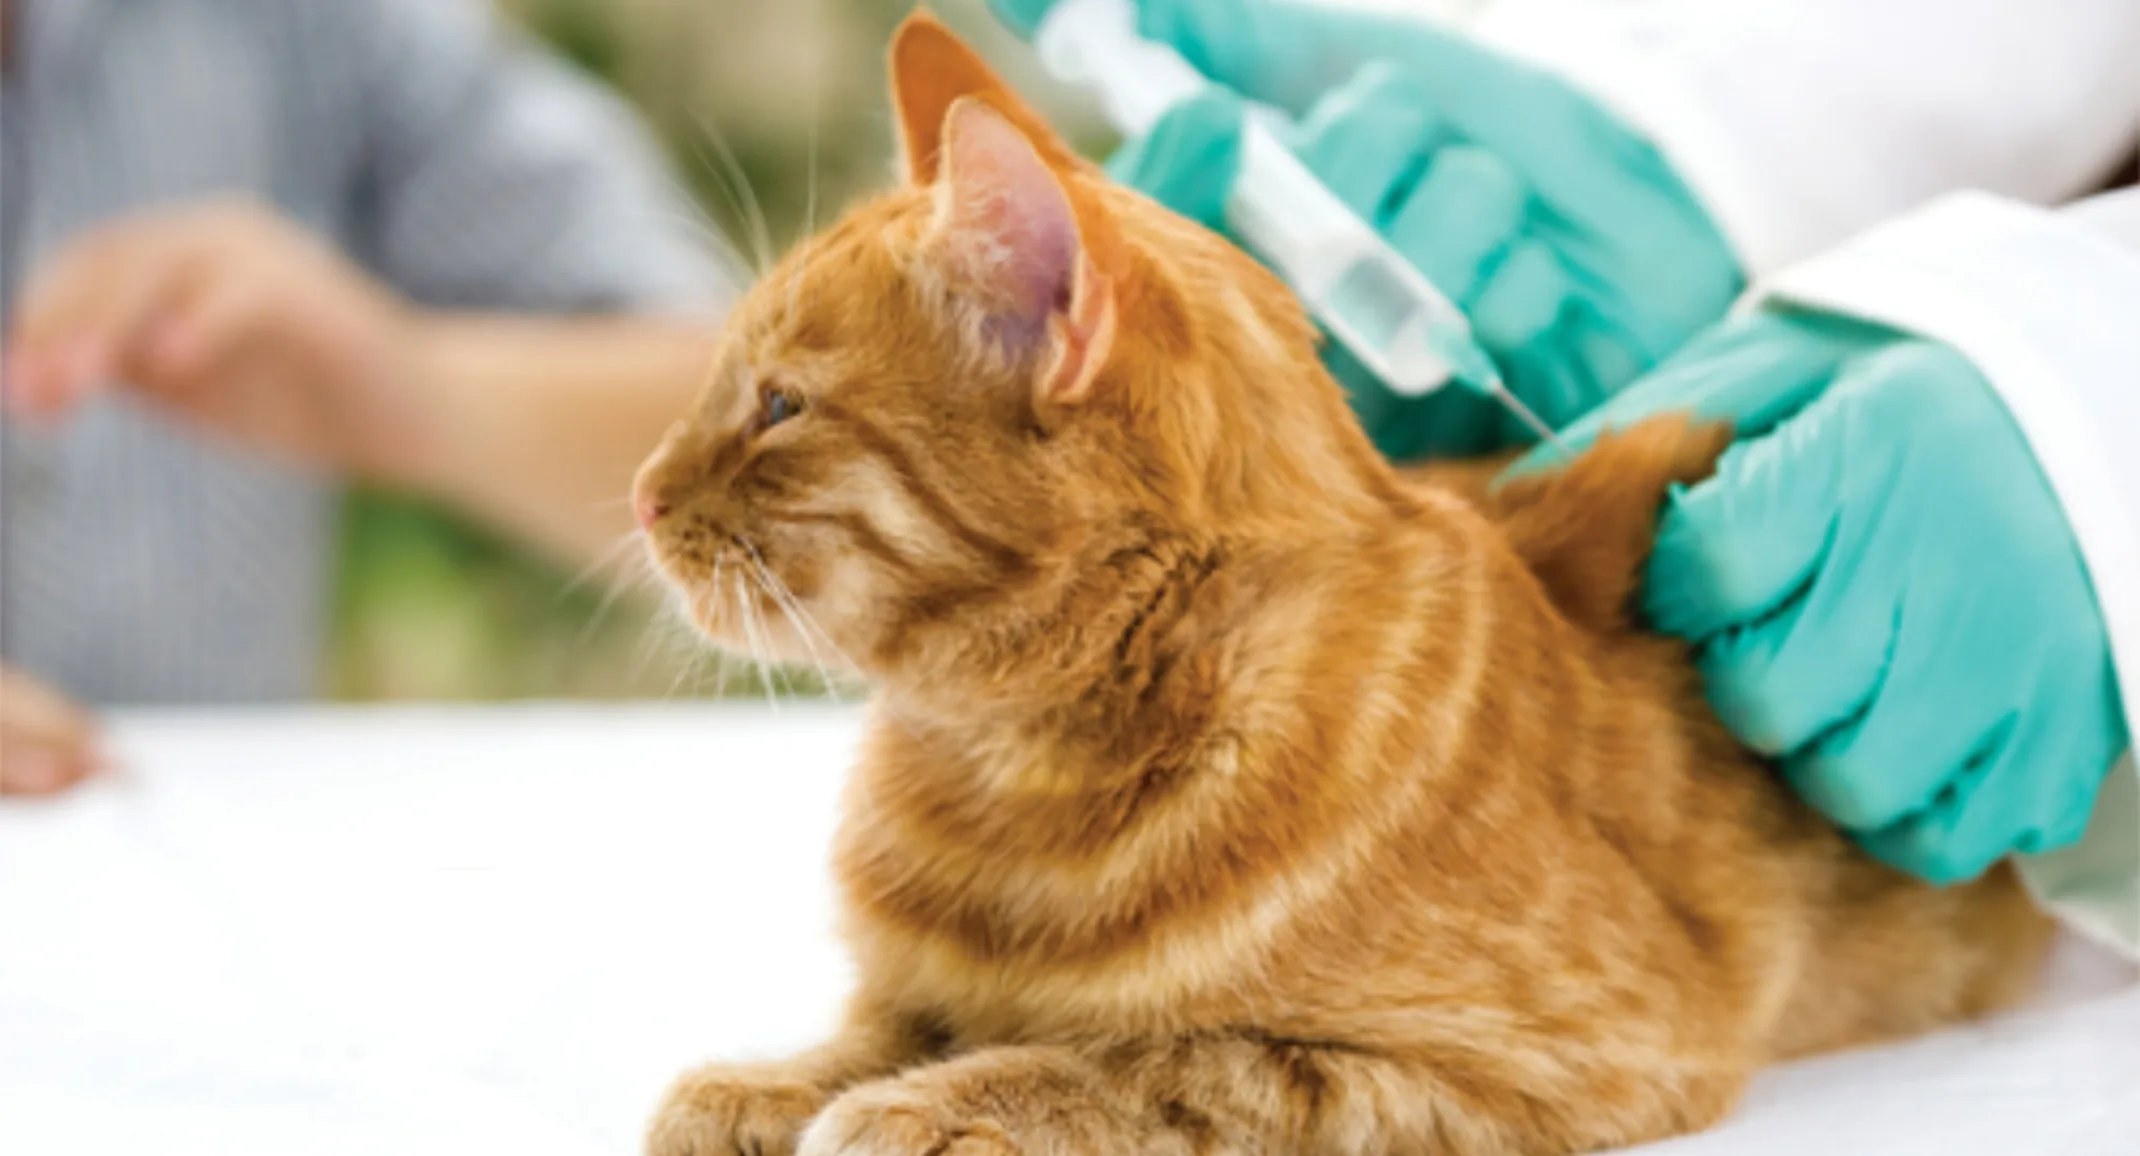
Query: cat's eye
[(777, 405)]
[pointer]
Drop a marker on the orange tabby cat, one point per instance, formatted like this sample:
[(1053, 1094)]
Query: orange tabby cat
[(1226, 792)]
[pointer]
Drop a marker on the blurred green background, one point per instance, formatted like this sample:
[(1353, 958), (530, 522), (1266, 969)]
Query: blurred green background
[(793, 92)]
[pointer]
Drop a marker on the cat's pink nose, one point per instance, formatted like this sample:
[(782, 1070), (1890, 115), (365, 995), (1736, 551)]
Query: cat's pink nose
[(648, 509)]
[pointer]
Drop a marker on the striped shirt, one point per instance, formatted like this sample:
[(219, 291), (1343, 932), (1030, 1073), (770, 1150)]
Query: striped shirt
[(139, 563)]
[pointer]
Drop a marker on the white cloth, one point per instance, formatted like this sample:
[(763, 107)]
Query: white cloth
[(424, 933), (1799, 123)]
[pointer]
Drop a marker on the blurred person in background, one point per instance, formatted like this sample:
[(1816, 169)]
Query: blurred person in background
[(255, 248)]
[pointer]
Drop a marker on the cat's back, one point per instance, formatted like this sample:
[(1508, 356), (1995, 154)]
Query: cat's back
[(1732, 883)]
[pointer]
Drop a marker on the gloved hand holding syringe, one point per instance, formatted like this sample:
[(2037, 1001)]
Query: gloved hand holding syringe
[(1384, 311)]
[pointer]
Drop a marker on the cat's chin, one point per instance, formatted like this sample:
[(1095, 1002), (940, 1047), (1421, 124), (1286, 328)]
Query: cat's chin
[(760, 632)]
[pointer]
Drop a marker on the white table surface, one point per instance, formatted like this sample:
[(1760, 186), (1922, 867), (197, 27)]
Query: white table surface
[(455, 931)]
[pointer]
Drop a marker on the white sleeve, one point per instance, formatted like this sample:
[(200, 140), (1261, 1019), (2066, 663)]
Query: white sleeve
[(1799, 123), (2046, 304)]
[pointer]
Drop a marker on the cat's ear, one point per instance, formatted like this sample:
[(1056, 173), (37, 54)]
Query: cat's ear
[(1006, 225), (931, 68), (1005, 219)]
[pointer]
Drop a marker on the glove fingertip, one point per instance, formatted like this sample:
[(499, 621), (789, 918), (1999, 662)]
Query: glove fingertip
[(1854, 796), (1737, 548), (1738, 668), (1927, 851), (1681, 595)]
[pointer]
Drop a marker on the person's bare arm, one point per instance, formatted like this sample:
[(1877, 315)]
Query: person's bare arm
[(537, 425), (244, 325)]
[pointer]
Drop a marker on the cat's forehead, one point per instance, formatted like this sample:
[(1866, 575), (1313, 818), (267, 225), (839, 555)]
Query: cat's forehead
[(816, 372), (842, 306), (824, 292), (807, 343)]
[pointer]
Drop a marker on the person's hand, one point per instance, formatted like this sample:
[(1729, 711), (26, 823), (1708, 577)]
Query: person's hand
[(233, 318), (1883, 589), (1579, 255), (47, 744)]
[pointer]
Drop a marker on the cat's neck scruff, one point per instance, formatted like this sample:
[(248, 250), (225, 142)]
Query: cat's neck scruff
[(1033, 445)]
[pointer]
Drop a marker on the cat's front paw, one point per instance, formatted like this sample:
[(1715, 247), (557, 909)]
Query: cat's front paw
[(732, 1111), (889, 1120)]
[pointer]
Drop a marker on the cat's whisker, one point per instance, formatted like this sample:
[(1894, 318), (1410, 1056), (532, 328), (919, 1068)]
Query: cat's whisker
[(796, 616), (610, 597), (839, 685), (689, 674), (722, 603), (759, 651), (754, 257), (659, 632), (622, 578), (848, 683), (676, 680), (751, 209), (809, 181), (669, 634), (724, 663), (709, 232), (604, 558), (724, 668), (808, 623), (802, 262), (775, 671), (787, 612), (634, 573), (711, 659), (785, 595), (817, 94)]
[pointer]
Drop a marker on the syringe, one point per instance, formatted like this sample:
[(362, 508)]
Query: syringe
[(1403, 329)]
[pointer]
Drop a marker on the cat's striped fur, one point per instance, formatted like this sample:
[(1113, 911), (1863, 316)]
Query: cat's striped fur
[(1228, 792)]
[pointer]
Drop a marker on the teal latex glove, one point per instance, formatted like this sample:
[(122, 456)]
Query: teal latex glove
[(1580, 257), (1883, 590)]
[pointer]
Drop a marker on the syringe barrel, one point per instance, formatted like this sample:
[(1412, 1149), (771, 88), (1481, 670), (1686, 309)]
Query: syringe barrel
[(1371, 299)]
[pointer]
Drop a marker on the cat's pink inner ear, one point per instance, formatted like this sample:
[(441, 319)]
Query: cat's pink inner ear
[(1006, 217)]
